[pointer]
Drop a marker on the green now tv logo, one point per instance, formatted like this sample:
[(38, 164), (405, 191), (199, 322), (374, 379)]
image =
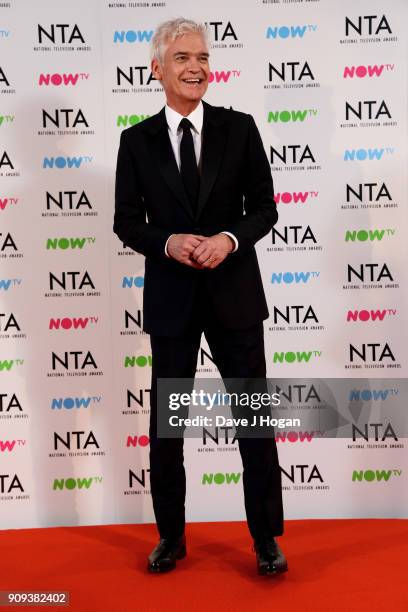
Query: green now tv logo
[(8, 364), (140, 361), (374, 475), (75, 483), (295, 357), (125, 120), (69, 243), (284, 116), (220, 478), (364, 235)]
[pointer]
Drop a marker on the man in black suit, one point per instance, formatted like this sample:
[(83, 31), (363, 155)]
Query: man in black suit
[(201, 177)]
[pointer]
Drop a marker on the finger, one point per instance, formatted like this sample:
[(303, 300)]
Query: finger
[(193, 264), (202, 249)]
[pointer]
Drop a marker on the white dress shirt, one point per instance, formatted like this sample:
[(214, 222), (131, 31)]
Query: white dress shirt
[(196, 118)]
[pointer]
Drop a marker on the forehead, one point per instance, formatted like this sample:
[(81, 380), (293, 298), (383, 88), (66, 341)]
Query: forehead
[(187, 43)]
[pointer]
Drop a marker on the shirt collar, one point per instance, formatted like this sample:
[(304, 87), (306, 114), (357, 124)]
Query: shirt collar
[(173, 118)]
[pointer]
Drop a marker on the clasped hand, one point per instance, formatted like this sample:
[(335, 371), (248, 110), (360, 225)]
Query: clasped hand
[(199, 251)]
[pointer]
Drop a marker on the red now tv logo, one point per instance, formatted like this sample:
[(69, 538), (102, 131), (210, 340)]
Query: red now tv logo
[(62, 79), (142, 440), (72, 322), (294, 197), (370, 315)]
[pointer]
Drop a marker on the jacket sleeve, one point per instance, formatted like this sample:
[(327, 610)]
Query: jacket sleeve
[(130, 223), (259, 204)]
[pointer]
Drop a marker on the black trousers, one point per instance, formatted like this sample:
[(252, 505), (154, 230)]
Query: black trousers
[(237, 354)]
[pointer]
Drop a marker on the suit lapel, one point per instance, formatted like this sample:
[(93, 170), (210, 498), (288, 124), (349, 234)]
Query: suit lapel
[(167, 162), (212, 151)]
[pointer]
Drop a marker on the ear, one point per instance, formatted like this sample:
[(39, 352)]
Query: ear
[(156, 69)]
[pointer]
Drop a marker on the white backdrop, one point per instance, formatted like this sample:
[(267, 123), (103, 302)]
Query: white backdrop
[(326, 84)]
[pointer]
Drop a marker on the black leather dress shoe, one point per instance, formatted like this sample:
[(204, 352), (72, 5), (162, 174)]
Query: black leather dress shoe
[(269, 557), (163, 556)]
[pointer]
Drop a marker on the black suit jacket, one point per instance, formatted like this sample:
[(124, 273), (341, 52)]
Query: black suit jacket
[(236, 195)]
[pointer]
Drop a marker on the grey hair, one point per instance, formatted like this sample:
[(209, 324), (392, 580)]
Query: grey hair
[(168, 31)]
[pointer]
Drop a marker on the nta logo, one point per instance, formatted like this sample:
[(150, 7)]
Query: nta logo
[(60, 33), (367, 25)]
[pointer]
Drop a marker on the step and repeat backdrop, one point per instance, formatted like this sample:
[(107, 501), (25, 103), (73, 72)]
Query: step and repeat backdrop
[(326, 83)]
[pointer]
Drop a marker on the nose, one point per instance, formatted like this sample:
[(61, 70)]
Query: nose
[(193, 65)]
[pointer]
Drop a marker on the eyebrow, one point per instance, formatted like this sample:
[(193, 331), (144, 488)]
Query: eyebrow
[(204, 53)]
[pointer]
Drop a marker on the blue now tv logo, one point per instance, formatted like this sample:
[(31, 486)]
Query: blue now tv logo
[(7, 283), (66, 162), (69, 403), (367, 154), (132, 281), (132, 36), (289, 31), (368, 395), (288, 278)]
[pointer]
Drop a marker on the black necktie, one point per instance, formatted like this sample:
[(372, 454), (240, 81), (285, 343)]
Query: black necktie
[(188, 164)]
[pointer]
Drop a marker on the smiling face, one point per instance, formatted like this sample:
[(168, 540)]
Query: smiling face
[(184, 72)]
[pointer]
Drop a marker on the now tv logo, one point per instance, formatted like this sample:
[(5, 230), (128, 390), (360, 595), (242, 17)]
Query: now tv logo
[(289, 31), (75, 483), (66, 162), (370, 315), (288, 278), (141, 361), (69, 243), (285, 116), (6, 283), (64, 79), (374, 475), (294, 436), (69, 403), (72, 322), (125, 120), (364, 235), (367, 395), (294, 197), (142, 440), (8, 364), (364, 154), (221, 478), (366, 71), (132, 281), (6, 119), (295, 357), (132, 36), (9, 445), (9, 201), (223, 76)]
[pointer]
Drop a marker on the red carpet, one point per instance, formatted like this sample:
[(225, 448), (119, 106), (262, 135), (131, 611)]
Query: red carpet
[(333, 565)]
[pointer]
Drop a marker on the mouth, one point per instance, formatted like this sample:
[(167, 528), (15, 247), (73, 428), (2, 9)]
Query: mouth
[(193, 81)]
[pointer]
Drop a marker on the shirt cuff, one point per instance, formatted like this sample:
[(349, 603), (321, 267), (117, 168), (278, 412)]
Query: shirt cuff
[(165, 246), (235, 241)]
